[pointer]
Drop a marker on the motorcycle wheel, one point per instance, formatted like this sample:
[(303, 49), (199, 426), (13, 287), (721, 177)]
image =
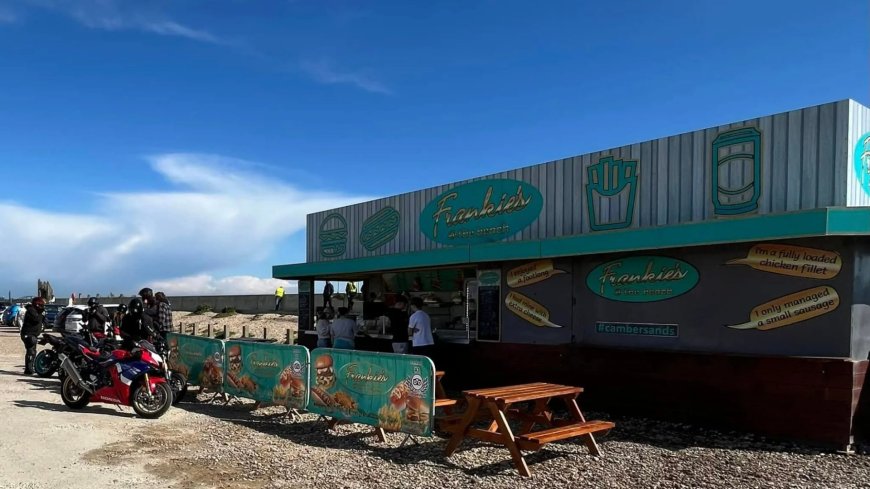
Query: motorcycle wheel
[(46, 363), (74, 396), (178, 384), (149, 405)]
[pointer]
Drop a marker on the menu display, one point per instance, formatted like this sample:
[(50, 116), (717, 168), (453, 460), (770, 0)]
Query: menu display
[(489, 306)]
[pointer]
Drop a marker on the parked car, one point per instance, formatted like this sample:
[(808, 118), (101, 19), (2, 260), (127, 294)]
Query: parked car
[(70, 318), (10, 313), (51, 312)]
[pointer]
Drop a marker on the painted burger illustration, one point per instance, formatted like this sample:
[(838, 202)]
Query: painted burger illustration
[(325, 373), (417, 411), (333, 236), (234, 369)]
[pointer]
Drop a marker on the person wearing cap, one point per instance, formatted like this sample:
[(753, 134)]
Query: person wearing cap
[(31, 328), (399, 324)]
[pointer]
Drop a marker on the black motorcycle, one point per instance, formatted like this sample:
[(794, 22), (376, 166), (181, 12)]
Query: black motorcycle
[(47, 361)]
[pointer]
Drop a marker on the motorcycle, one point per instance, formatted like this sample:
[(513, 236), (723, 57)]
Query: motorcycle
[(134, 378), (47, 361), (177, 381)]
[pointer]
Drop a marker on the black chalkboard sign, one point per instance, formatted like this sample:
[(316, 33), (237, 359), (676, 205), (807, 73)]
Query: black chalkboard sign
[(488, 313), (304, 310)]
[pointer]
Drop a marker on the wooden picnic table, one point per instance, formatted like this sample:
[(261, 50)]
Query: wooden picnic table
[(498, 405)]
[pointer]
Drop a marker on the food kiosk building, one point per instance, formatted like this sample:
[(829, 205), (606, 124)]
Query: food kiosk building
[(718, 276)]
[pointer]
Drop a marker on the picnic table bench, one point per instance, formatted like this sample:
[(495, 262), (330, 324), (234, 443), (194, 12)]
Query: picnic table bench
[(498, 405)]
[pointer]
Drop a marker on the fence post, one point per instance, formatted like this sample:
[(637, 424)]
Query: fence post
[(289, 336), (194, 329), (209, 330), (226, 332), (265, 333), (244, 331)]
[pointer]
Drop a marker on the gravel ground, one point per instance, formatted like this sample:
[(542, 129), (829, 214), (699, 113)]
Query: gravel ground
[(203, 444), (276, 325)]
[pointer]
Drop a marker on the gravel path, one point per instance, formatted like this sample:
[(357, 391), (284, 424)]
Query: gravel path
[(200, 444)]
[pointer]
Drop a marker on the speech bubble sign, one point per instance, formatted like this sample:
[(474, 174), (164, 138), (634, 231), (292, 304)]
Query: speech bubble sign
[(791, 309), (531, 273), (795, 261), (528, 309)]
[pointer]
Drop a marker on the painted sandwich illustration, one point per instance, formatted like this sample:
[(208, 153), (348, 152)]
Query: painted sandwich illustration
[(325, 375), (380, 228)]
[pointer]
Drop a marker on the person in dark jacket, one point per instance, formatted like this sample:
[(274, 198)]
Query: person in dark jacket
[(328, 290), (96, 316), (136, 325), (34, 320), (398, 317)]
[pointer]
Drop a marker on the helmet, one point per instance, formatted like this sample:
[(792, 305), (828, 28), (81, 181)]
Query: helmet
[(146, 292), (122, 308), (38, 302), (136, 307), (93, 302)]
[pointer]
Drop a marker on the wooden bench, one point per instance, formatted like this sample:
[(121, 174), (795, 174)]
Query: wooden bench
[(537, 439)]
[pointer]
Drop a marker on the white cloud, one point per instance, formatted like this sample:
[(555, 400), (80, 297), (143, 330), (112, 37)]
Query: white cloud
[(222, 214), (322, 71), (205, 284), (115, 15)]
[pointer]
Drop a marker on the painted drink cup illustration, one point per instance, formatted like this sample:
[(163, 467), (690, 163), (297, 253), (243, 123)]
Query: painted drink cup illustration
[(736, 173), (333, 236), (529, 310), (610, 192)]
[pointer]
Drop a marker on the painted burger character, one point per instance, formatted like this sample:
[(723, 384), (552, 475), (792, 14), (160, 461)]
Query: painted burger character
[(325, 372)]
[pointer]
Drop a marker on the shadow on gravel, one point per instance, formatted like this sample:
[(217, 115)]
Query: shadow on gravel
[(430, 451), (14, 373), (48, 384), (61, 408), (680, 436)]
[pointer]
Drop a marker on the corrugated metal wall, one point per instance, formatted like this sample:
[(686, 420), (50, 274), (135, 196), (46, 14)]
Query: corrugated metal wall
[(803, 165), (859, 127)]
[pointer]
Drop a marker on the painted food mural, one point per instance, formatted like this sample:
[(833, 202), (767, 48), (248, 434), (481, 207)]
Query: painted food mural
[(391, 391), (268, 372), (201, 360)]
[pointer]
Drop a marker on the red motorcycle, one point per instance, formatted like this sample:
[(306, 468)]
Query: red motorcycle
[(134, 378)]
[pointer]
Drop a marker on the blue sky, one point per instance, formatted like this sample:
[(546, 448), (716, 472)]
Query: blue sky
[(119, 119)]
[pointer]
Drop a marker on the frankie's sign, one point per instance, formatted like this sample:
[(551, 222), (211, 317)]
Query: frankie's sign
[(481, 211), (642, 279)]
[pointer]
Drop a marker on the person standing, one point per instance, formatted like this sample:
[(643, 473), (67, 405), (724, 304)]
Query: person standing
[(420, 329), (323, 328), (399, 324), (328, 290), (164, 313), (136, 325), (279, 297), (343, 331), (350, 290), (95, 317), (30, 330)]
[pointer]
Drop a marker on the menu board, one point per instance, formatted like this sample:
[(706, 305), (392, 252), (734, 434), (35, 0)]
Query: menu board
[(305, 287), (268, 372), (392, 391), (489, 305)]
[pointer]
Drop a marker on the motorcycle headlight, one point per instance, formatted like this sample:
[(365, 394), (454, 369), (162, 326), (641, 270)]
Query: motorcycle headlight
[(157, 358)]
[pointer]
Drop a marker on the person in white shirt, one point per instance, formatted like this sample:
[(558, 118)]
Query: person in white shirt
[(322, 328), (420, 329), (343, 331)]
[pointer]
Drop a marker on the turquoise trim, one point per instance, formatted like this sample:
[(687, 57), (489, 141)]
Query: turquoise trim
[(840, 221)]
